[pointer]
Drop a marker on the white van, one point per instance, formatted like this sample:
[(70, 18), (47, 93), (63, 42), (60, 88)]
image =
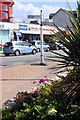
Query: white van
[(37, 43), (18, 47)]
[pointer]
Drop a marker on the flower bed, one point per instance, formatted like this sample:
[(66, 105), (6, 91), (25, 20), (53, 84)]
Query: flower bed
[(46, 101)]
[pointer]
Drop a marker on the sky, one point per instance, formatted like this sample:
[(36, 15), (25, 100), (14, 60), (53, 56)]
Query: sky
[(23, 8)]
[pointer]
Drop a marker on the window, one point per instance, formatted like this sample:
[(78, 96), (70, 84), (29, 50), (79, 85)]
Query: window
[(8, 44), (38, 43), (4, 14), (27, 44), (20, 44), (5, 7), (4, 11)]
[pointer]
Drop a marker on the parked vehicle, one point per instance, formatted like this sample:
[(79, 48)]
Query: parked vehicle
[(52, 45), (18, 47), (37, 43), (59, 46)]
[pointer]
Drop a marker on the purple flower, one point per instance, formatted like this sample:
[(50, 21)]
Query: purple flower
[(42, 80), (34, 82), (35, 91)]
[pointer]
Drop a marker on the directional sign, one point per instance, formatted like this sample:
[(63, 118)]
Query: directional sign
[(34, 16)]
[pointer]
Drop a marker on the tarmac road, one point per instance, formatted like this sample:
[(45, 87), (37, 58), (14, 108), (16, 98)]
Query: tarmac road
[(23, 59)]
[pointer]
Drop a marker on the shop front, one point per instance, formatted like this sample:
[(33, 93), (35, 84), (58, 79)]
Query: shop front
[(5, 33), (32, 31), (26, 31)]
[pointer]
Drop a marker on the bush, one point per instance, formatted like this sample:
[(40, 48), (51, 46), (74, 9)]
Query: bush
[(48, 101)]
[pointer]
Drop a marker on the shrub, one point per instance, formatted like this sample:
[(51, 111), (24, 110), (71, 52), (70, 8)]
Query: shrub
[(49, 102)]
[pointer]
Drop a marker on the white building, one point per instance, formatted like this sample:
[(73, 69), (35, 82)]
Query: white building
[(24, 31), (32, 31)]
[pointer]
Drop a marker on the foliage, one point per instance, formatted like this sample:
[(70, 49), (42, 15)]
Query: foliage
[(73, 75), (33, 106), (47, 103), (70, 41)]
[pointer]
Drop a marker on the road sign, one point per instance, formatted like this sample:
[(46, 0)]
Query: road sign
[(34, 16)]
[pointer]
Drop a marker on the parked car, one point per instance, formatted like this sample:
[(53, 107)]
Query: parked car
[(18, 47), (37, 43), (52, 45), (59, 46)]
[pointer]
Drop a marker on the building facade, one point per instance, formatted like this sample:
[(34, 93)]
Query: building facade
[(32, 31), (6, 20), (6, 10)]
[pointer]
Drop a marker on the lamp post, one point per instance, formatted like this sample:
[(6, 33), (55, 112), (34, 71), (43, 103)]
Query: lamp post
[(41, 38)]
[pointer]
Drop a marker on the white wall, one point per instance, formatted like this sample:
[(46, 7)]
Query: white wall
[(35, 29)]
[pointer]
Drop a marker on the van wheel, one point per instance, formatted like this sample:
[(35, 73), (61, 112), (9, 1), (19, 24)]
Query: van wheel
[(17, 53), (34, 51), (38, 49), (6, 54)]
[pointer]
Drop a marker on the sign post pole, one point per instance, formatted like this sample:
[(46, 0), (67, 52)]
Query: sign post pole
[(41, 35), (41, 38)]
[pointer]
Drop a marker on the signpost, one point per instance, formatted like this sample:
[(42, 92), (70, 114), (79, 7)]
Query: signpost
[(34, 16), (41, 34), (41, 37)]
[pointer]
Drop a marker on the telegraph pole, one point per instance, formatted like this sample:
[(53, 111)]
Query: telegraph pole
[(41, 38)]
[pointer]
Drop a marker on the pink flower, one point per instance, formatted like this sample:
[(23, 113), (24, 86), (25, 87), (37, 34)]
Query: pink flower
[(35, 91), (34, 82), (42, 80)]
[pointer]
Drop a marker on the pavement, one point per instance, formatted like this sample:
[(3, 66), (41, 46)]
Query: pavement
[(20, 78)]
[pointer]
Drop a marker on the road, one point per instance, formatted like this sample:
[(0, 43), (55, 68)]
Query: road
[(24, 59)]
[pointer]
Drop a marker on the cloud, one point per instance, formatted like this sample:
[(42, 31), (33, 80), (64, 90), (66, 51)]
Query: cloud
[(22, 10), (49, 9)]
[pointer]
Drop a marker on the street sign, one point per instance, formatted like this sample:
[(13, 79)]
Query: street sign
[(23, 27), (34, 16)]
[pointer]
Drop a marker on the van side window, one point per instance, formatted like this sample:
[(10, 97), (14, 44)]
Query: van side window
[(38, 43), (20, 44)]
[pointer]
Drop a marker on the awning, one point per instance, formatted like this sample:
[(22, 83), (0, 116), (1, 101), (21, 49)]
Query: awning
[(17, 33)]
